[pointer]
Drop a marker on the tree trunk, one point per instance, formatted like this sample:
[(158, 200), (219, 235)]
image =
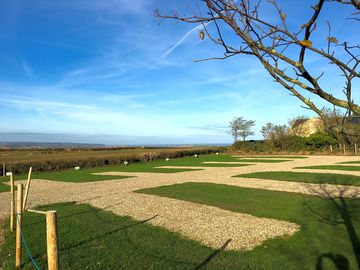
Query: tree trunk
[(331, 149), (344, 149)]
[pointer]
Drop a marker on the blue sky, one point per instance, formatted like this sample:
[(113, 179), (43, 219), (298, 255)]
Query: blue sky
[(101, 71)]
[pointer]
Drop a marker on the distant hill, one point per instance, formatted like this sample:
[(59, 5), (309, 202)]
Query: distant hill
[(41, 145)]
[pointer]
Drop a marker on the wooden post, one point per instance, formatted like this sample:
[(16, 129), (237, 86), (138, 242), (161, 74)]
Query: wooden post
[(355, 148), (4, 170), (36, 211), (52, 240), (12, 205), (344, 149), (331, 149), (18, 225), (27, 189)]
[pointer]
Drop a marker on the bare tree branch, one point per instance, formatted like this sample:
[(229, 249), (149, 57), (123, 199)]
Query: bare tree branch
[(282, 50)]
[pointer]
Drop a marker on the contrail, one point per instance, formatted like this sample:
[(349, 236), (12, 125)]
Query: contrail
[(201, 26)]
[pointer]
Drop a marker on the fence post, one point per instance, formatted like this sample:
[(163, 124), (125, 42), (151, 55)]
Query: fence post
[(18, 225), (355, 148), (4, 170), (27, 189), (52, 240), (12, 205)]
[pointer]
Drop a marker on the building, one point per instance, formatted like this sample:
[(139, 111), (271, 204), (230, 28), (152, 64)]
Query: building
[(306, 127)]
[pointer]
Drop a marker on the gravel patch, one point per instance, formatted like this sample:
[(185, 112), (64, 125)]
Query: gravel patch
[(209, 225)]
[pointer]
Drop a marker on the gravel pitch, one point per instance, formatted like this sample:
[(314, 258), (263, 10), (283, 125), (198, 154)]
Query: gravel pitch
[(209, 225)]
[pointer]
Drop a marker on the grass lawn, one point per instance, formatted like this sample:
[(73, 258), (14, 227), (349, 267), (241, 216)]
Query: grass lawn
[(292, 157), (4, 187), (85, 175), (199, 161), (350, 162), (76, 176), (66, 176), (90, 238), (181, 162), (306, 177), (332, 167), (328, 238), (258, 160)]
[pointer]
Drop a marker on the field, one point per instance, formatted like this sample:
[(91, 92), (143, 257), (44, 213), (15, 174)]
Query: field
[(206, 212), (18, 161), (12, 156)]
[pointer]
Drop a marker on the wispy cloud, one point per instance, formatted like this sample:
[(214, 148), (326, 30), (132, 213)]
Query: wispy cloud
[(27, 103), (219, 128), (26, 67), (111, 6)]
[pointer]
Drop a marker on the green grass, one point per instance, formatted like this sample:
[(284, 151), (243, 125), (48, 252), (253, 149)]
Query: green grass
[(66, 176), (256, 160), (306, 177), (349, 162), (3, 187), (330, 229), (199, 161), (90, 238), (85, 175), (179, 162), (323, 231), (192, 161), (76, 176), (332, 167), (292, 157)]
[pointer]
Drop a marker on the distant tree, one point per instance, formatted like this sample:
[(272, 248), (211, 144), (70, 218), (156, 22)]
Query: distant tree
[(277, 136), (337, 123), (279, 131), (239, 127), (343, 126), (266, 130)]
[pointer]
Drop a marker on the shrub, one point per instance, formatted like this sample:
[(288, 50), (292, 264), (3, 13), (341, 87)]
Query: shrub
[(320, 140), (249, 146)]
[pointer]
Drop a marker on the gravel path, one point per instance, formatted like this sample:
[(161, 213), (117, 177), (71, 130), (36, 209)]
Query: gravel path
[(209, 225)]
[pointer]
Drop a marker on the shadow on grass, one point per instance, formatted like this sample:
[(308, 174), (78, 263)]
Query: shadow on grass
[(339, 261), (343, 209), (212, 255), (101, 236), (94, 210)]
